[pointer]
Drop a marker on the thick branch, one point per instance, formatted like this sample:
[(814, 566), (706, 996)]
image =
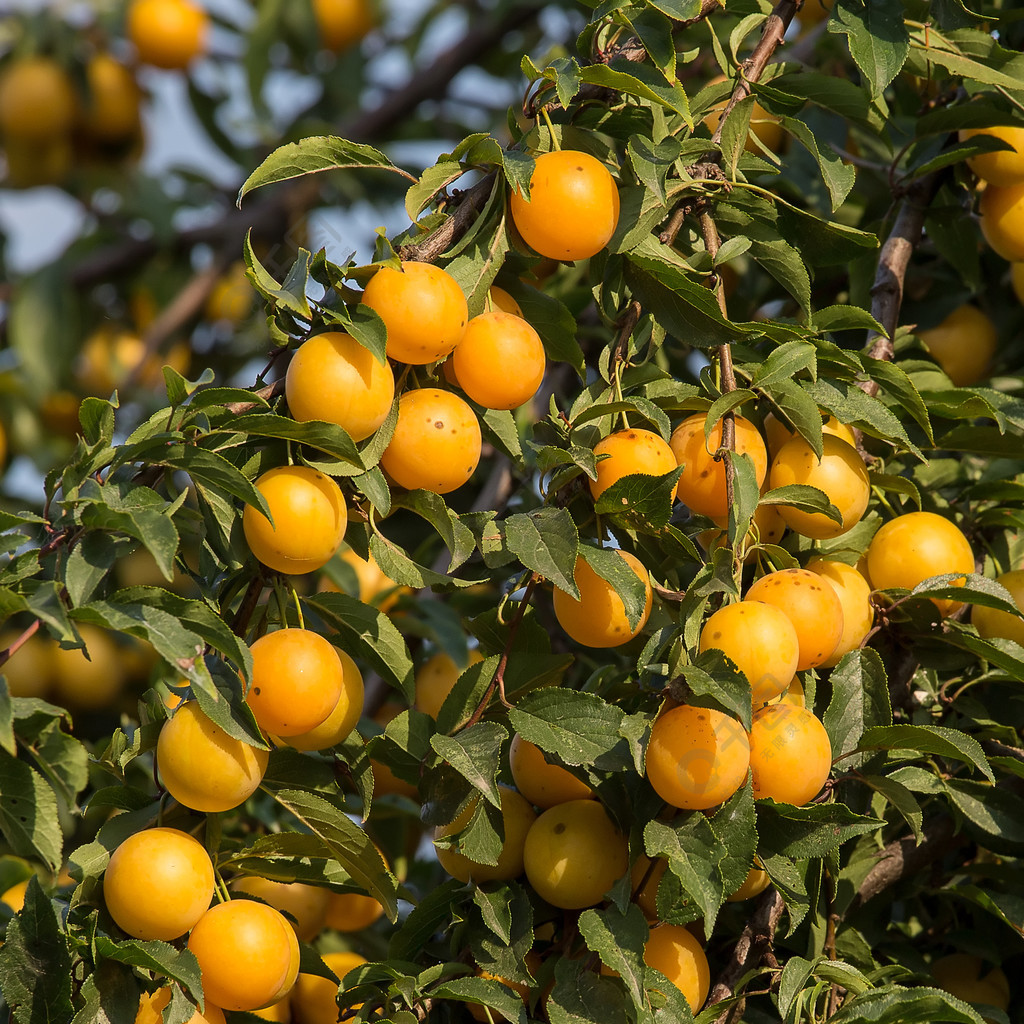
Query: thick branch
[(750, 949), (893, 260), (904, 857), (772, 36), (468, 205)]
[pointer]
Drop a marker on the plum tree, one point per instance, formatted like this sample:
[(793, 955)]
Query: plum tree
[(227, 408)]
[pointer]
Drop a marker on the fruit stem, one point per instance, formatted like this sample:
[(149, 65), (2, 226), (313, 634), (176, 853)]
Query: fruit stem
[(298, 605), (221, 889), (551, 128)]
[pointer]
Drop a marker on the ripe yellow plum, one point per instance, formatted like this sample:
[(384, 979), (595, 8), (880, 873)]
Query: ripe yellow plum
[(676, 952), (598, 618), (500, 361), (702, 484), (436, 677), (574, 854), (204, 768), (840, 474), (518, 816), (963, 345), (854, 593), (760, 640), (573, 208), (542, 783), (628, 452), (332, 377), (992, 623), (309, 519), (914, 547), (790, 754), (422, 306), (810, 602), (158, 883), (436, 444), (696, 757)]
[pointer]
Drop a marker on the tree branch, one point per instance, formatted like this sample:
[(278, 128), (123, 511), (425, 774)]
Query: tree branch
[(905, 857), (772, 36), (893, 260), (466, 206), (750, 949), (269, 216)]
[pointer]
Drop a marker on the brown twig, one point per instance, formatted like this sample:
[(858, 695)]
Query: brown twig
[(750, 950), (772, 37), (712, 243), (893, 260), (498, 682), (266, 392), (8, 652), (248, 605), (467, 205)]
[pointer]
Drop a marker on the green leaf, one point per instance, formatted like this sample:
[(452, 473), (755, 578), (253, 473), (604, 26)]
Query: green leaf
[(845, 318), (35, 965), (694, 852), (878, 38), (784, 262), (314, 154), (715, 676), (457, 536), (891, 1004), (328, 438), (348, 843), (928, 739), (398, 566), (939, 50), (995, 816), (735, 824), (109, 995), (470, 989), (617, 938), (652, 162), (581, 728), (609, 564), (811, 831), (860, 700), (804, 498), (373, 635), (582, 996), (641, 80), (160, 957), (475, 753), (784, 363), (425, 919), (430, 182), (552, 320), (682, 307), (546, 541), (640, 502), (901, 798), (28, 813), (839, 177), (500, 429)]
